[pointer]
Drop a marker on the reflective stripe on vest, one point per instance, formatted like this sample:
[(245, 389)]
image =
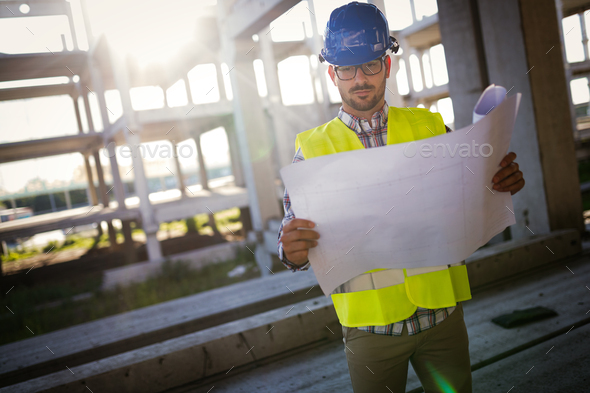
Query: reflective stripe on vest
[(383, 296)]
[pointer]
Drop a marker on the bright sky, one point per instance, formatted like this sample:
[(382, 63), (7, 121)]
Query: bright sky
[(154, 31)]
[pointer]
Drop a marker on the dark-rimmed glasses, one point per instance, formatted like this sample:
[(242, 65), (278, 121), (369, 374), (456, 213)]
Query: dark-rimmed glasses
[(370, 68)]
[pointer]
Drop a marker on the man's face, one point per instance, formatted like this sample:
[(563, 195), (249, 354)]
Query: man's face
[(363, 92)]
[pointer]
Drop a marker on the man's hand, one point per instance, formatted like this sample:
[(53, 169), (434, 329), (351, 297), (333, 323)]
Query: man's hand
[(297, 242), (509, 178)]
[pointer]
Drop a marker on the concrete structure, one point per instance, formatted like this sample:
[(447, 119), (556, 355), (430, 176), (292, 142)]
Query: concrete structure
[(201, 338), (91, 73), (514, 43), (261, 130)]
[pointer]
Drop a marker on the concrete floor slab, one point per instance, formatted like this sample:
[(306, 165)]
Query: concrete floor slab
[(93, 340), (324, 368), (557, 365)]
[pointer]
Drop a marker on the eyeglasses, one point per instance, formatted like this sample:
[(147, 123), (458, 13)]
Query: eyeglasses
[(370, 68)]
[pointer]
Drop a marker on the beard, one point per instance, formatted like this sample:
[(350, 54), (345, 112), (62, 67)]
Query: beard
[(365, 103)]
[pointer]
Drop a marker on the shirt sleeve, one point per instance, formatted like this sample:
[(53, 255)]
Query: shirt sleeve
[(289, 215)]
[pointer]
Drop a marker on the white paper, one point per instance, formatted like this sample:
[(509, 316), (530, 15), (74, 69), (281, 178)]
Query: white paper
[(491, 97), (396, 207)]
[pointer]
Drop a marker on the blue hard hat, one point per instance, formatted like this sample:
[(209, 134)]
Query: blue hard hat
[(356, 33)]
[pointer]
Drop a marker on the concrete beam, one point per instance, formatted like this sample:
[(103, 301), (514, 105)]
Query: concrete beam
[(29, 359), (201, 203), (248, 17), (19, 93), (509, 258), (26, 65), (24, 150), (10, 9), (217, 350)]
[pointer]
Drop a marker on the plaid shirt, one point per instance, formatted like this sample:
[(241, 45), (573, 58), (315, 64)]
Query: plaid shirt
[(371, 135)]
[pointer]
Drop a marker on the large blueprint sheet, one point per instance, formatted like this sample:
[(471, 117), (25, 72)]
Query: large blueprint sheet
[(399, 206)]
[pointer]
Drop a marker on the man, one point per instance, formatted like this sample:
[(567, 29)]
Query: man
[(410, 316)]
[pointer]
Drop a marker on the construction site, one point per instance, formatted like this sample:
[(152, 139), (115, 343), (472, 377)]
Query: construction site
[(141, 197)]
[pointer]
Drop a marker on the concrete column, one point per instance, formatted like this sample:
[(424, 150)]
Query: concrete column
[(485, 43), (466, 65), (391, 94), (88, 112), (68, 7), (317, 45), (68, 199), (14, 211), (551, 104), (205, 180), (132, 138), (179, 176), (201, 163), (508, 65), (430, 67), (149, 223), (187, 86), (234, 152), (117, 182), (52, 202), (276, 113), (253, 138), (92, 198), (584, 35), (419, 54), (102, 188), (78, 115), (413, 8), (129, 248), (406, 56), (220, 85), (97, 82), (379, 4)]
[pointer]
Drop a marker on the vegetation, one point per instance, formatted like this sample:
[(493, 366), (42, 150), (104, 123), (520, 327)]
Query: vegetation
[(51, 307), (226, 221)]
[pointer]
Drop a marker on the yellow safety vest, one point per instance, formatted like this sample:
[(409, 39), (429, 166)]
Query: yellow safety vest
[(382, 296)]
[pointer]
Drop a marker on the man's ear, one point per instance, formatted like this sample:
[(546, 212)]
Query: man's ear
[(387, 65), (332, 75)]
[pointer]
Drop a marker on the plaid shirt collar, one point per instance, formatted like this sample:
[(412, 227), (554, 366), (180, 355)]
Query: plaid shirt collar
[(360, 125)]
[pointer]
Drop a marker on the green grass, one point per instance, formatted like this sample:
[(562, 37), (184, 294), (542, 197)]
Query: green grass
[(175, 280), (229, 218)]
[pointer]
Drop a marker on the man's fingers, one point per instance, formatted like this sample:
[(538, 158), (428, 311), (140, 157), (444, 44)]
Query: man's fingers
[(510, 180), (296, 223), (296, 256), (299, 245), (513, 188), (300, 234), (508, 159), (505, 172)]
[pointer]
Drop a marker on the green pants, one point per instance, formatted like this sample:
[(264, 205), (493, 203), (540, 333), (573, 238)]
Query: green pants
[(440, 356)]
